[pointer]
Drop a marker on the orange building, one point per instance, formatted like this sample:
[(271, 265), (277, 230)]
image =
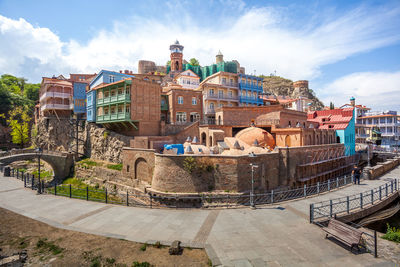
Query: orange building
[(55, 97)]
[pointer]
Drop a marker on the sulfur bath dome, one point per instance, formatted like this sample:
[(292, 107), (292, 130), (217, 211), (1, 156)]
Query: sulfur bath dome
[(264, 138)]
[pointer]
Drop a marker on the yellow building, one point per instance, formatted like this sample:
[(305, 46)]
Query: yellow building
[(220, 89)]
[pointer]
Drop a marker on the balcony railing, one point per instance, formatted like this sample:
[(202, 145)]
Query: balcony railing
[(251, 99), (249, 86), (209, 111), (54, 94), (229, 84), (121, 116), (114, 99), (55, 106), (220, 97)]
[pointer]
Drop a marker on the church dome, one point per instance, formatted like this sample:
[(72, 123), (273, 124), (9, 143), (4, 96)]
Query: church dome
[(249, 135)]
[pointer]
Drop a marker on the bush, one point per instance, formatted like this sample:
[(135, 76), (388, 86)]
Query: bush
[(392, 234), (143, 247), (189, 164), (117, 167), (44, 245)]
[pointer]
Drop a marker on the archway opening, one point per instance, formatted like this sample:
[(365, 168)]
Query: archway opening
[(287, 141), (142, 172)]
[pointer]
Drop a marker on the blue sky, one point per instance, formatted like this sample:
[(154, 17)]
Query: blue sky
[(344, 48)]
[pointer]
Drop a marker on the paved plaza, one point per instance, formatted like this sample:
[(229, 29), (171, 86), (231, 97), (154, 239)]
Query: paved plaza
[(278, 235)]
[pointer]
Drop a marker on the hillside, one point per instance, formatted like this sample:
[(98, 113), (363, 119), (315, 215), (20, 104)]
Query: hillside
[(284, 87)]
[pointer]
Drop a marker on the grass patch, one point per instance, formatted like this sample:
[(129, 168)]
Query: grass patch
[(392, 234), (141, 264), (48, 246), (78, 190), (43, 174), (117, 167), (87, 163)]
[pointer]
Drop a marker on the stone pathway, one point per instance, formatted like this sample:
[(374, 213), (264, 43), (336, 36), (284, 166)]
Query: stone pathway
[(277, 235)]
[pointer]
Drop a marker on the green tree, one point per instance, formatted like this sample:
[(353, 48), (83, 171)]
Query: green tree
[(19, 120), (32, 91), (14, 84), (194, 62)]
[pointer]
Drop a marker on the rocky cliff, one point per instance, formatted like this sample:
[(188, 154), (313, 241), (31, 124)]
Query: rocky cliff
[(95, 142), (284, 87)]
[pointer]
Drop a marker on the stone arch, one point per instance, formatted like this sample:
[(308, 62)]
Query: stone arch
[(287, 141), (211, 141), (61, 165), (142, 170)]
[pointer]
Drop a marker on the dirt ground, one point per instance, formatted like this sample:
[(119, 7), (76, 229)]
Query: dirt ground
[(50, 246)]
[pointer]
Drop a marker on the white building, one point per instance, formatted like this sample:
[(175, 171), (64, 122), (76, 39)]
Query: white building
[(188, 79)]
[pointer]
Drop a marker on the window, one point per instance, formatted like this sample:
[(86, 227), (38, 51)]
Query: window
[(389, 120), (120, 109), (220, 94), (162, 102), (221, 105), (180, 99), (211, 92), (113, 92), (194, 116), (231, 81), (112, 79), (106, 111), (223, 80), (211, 106), (120, 91), (127, 90), (194, 101), (230, 104), (127, 109), (112, 110), (89, 113), (230, 94), (181, 116), (106, 94)]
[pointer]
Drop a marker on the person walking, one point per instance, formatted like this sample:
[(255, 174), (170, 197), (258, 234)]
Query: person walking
[(356, 174)]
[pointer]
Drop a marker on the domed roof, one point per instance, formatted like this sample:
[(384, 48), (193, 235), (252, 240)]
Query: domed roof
[(249, 135)]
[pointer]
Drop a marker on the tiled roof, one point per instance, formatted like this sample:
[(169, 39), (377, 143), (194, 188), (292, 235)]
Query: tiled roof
[(337, 119)]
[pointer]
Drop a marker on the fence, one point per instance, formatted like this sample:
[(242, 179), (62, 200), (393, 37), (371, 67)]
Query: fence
[(207, 200), (344, 205)]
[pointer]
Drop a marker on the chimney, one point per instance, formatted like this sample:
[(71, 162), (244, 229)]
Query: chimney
[(126, 71), (120, 71)]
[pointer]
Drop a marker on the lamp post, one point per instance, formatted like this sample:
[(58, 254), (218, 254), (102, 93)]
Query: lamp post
[(253, 166), (39, 153)]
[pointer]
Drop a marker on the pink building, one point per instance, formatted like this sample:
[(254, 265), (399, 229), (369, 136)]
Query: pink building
[(55, 97)]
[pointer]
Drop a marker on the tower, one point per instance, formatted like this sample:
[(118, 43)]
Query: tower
[(352, 101), (176, 56), (219, 57)]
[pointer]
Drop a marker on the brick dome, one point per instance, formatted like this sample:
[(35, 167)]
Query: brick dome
[(264, 138)]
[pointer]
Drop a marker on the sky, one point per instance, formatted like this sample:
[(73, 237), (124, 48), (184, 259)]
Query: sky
[(344, 48)]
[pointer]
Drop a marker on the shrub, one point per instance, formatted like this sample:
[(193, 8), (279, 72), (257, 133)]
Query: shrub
[(117, 167), (392, 234), (45, 245), (189, 164), (143, 247)]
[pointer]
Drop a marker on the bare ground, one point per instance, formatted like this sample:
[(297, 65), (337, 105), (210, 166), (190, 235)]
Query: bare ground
[(50, 246)]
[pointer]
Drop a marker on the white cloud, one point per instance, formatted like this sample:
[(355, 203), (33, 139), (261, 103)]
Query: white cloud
[(260, 39), (378, 90)]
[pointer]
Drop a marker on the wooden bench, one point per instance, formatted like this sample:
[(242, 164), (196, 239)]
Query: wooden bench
[(344, 233)]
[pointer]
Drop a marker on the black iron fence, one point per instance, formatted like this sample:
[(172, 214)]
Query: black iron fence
[(201, 200)]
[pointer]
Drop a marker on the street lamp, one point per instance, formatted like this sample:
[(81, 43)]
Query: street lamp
[(253, 166), (39, 152)]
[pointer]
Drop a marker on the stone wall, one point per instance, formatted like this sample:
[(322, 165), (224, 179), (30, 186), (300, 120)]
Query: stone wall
[(214, 172), (382, 168), (96, 142)]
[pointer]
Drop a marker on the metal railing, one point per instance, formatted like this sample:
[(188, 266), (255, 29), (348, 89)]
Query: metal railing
[(344, 205), (31, 151), (201, 200)]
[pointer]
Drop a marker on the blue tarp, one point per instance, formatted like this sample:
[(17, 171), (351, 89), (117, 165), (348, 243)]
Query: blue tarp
[(179, 148)]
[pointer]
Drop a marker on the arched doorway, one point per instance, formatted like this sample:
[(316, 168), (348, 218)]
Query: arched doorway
[(287, 141), (203, 139), (211, 141), (142, 170)]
